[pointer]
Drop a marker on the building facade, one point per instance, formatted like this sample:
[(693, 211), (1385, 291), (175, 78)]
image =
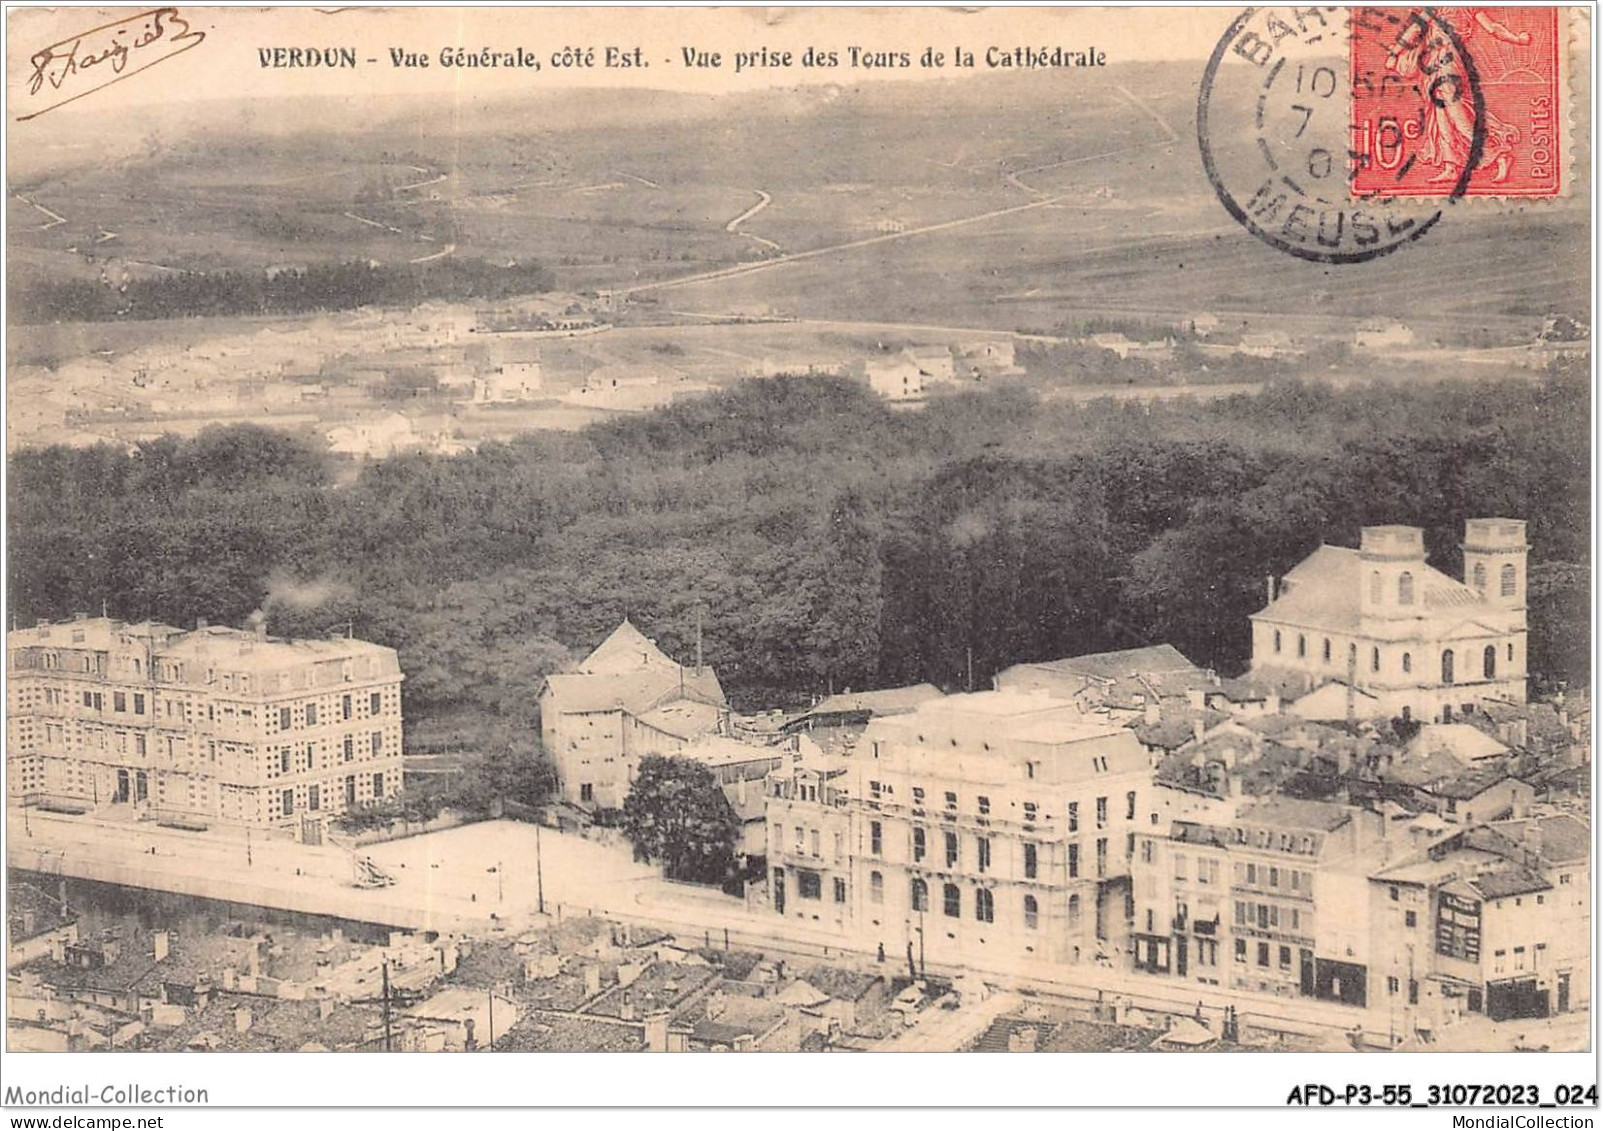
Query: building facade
[(1380, 620), (217, 724), (1274, 901), (1491, 919), (996, 825), (625, 700)]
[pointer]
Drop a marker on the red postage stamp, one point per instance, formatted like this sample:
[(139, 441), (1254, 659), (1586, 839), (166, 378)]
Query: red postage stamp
[(1451, 102)]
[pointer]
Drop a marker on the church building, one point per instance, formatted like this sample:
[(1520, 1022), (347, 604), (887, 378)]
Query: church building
[(1408, 640)]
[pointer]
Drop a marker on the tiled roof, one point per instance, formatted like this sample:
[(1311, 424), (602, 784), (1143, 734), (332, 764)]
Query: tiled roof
[(1470, 783), (636, 692), (1459, 739), (1563, 837), (1505, 882), (886, 701), (687, 719), (627, 649), (847, 985), (1288, 813), (1425, 768), (1152, 660)]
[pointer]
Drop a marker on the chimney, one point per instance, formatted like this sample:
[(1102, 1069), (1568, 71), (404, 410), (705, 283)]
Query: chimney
[(1197, 698), (256, 960), (1152, 712), (242, 1019), (202, 624), (1531, 837), (657, 1032), (1198, 726), (325, 1006), (627, 1009), (592, 981), (162, 942), (1271, 703), (1269, 588)]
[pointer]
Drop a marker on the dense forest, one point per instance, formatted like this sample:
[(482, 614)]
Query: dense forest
[(828, 541), (301, 290)]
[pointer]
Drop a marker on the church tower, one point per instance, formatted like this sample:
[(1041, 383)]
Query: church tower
[(1392, 572), (1494, 561)]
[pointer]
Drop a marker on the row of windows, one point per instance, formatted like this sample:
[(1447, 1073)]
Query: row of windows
[(290, 759), (1267, 916), (1264, 954), (1449, 660), (982, 850), (879, 791), (308, 714), (984, 902), (314, 796), (1272, 876)]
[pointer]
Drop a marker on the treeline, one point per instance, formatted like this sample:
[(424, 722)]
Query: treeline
[(827, 541), (317, 287)]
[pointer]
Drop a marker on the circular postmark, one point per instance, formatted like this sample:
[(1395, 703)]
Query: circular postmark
[(1282, 143)]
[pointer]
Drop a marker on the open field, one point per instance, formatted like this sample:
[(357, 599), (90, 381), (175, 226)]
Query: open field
[(923, 213), (610, 195)]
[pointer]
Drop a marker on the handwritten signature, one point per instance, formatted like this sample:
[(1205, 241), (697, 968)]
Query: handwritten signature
[(110, 53)]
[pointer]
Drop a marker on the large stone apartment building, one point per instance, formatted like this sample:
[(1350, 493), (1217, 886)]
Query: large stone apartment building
[(213, 725), (991, 825)]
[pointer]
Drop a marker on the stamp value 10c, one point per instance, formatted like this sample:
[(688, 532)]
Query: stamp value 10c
[(1456, 102)]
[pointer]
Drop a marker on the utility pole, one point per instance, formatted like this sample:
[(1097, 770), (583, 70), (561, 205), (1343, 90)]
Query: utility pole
[(389, 1045), (491, 1044), (698, 638), (970, 680), (539, 870), (248, 861)]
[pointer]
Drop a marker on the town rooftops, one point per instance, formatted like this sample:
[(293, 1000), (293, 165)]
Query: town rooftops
[(241, 650), (628, 671), (1156, 659), (683, 718), (721, 750), (844, 985), (637, 692), (1465, 742), (1560, 837), (95, 634), (802, 995), (867, 704), (1292, 813), (1470, 784), (1504, 882)]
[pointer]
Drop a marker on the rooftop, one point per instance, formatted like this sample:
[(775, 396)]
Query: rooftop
[(1156, 659), (1289, 813), (887, 701), (1563, 838), (1324, 589)]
